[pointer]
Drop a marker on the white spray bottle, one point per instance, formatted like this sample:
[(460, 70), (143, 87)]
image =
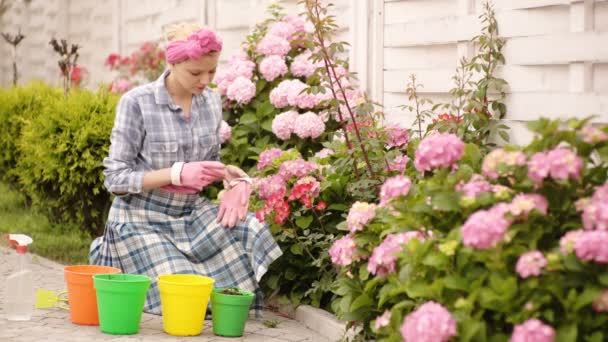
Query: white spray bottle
[(20, 296)]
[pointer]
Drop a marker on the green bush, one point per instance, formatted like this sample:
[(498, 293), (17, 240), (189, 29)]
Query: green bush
[(61, 152), (19, 105)]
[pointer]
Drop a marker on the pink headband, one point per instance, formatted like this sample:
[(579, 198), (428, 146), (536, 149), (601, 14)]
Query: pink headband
[(198, 44)]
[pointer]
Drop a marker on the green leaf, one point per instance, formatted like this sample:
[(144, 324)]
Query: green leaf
[(264, 109), (247, 119), (337, 206), (446, 201), (472, 154), (304, 221), (586, 298), (419, 290), (455, 282), (361, 301), (566, 333), (603, 278), (297, 249), (469, 329)]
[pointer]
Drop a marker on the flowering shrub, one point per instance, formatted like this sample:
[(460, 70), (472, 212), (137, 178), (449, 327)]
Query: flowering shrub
[(142, 65), (512, 246)]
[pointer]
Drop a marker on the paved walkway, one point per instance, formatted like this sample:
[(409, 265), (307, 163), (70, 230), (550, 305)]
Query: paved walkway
[(54, 324)]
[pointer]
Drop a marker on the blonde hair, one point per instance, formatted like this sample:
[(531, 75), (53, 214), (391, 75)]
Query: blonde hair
[(181, 31)]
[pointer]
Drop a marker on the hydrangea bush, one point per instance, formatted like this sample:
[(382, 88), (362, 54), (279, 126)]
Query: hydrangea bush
[(512, 246)]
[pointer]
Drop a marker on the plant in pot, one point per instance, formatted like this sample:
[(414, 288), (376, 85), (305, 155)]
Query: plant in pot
[(230, 309)]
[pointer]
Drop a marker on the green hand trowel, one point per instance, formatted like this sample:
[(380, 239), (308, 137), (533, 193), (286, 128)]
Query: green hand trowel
[(48, 299)]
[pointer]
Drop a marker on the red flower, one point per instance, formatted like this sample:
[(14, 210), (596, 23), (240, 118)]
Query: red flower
[(112, 60), (448, 118), (321, 206)]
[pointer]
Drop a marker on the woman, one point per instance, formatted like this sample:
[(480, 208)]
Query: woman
[(164, 151)]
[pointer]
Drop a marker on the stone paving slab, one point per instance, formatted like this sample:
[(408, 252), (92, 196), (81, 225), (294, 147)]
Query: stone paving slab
[(55, 325)]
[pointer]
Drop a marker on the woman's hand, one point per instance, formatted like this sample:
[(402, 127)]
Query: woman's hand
[(197, 175), (234, 205)]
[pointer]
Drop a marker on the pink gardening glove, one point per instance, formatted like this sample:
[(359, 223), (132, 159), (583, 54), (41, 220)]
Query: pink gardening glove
[(234, 205), (197, 175)]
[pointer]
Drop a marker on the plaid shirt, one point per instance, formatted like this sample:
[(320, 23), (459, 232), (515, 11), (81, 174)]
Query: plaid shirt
[(151, 133)]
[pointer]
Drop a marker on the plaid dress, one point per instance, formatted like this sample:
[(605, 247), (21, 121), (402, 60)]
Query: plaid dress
[(160, 232)]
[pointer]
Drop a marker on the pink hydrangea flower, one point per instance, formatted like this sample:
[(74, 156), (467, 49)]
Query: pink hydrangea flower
[(302, 66), (477, 185), (383, 259), (282, 29), (309, 125), (324, 153), (243, 67), (438, 150), (297, 95), (272, 185), (565, 164), (238, 55), (242, 90), (530, 264), (297, 167), (595, 212), (600, 304), (533, 330), (560, 163), (398, 164), (283, 124), (225, 131), (296, 21), (397, 136), (342, 251), (592, 135), (272, 67), (267, 156), (383, 320), (498, 157), (273, 45), (394, 187), (568, 241), (431, 322), (279, 96), (592, 245), (523, 204), (121, 86), (359, 215), (486, 228)]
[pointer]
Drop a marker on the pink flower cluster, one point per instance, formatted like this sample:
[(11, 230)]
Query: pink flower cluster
[(592, 246), (267, 156), (273, 45), (477, 185), (303, 66), (530, 264), (239, 65), (284, 123), (272, 185), (560, 164), (324, 153), (121, 86), (359, 215), (309, 125), (297, 168), (593, 135), (397, 136), (600, 304), (342, 251), (305, 189), (595, 213), (241, 90), (486, 228), (383, 259), (491, 163), (398, 164), (394, 187), (568, 241), (523, 204), (293, 93), (383, 320), (438, 150), (533, 330), (272, 67), (225, 132), (431, 322)]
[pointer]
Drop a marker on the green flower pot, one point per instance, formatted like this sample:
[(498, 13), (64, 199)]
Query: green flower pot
[(120, 300), (230, 311)]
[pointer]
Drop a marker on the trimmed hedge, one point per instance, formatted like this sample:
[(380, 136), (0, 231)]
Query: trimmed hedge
[(53, 147)]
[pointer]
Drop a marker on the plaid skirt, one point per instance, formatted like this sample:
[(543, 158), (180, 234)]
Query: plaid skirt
[(160, 232)]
